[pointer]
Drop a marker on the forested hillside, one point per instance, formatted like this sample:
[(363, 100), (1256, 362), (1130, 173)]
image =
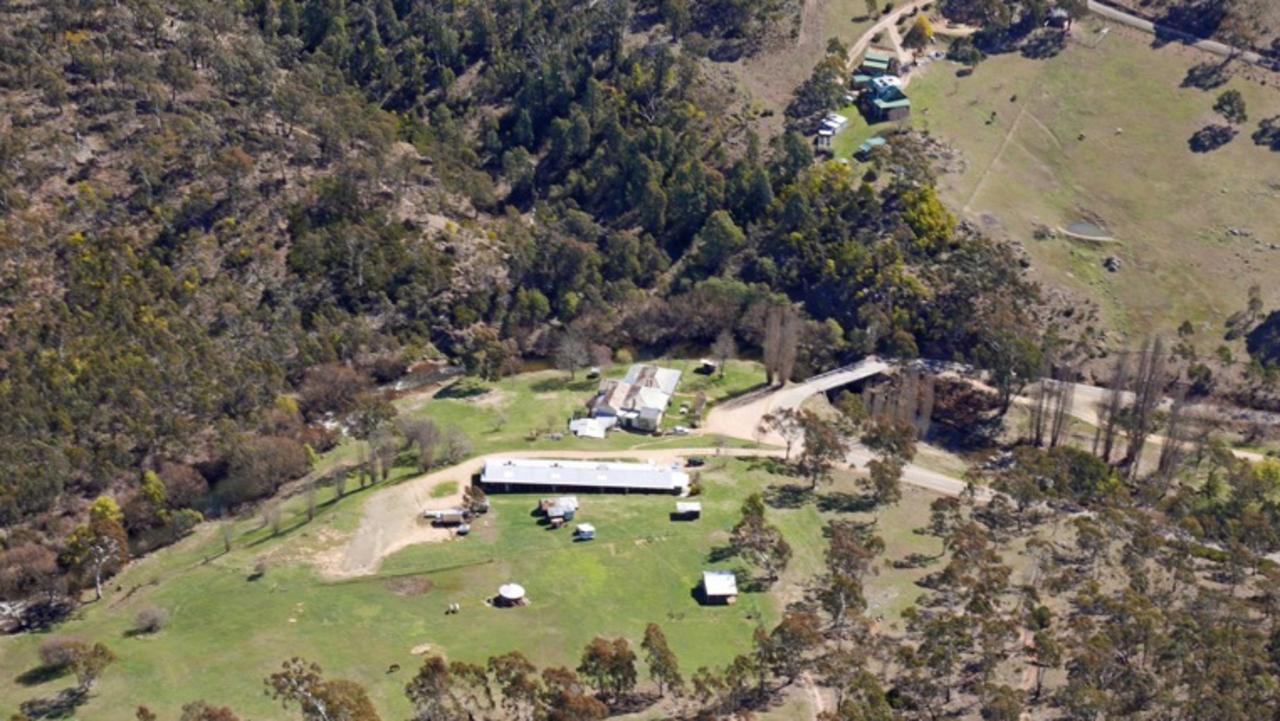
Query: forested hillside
[(223, 222)]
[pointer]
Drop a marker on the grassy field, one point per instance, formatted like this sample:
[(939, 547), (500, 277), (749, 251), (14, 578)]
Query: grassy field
[(228, 631), (1101, 132), (503, 418)]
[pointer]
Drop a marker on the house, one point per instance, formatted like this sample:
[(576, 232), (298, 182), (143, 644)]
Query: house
[(719, 587), (527, 475), (592, 427), (639, 400), (884, 100), (584, 532)]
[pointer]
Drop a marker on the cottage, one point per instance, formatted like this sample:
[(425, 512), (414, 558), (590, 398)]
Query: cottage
[(885, 100), (719, 587), (639, 400)]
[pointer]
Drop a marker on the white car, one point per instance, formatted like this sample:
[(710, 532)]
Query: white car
[(680, 431)]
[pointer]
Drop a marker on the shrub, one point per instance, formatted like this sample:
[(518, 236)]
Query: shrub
[(151, 620), (61, 652)]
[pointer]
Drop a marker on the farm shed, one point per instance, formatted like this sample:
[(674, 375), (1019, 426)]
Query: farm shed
[(719, 587), (527, 475)]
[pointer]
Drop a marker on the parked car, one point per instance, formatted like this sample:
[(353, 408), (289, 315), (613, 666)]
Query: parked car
[(680, 431), (696, 462)]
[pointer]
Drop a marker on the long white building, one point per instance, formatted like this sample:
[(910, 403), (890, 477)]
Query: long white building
[(538, 474)]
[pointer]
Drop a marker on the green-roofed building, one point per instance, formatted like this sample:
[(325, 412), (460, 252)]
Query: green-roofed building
[(864, 151), (876, 63)]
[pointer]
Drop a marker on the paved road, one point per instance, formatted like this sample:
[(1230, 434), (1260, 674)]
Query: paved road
[(1210, 46)]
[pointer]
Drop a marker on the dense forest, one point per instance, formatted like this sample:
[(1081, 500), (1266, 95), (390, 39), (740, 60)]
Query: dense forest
[(224, 222)]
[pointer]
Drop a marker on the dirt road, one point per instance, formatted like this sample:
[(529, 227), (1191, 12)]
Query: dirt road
[(393, 516), (888, 21)]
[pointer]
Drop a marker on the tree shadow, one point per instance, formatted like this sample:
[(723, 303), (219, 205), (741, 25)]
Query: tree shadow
[(1045, 44), (61, 705), (1210, 138), (561, 383), (840, 502), (745, 395), (1207, 75), (787, 495), (1263, 342), (1188, 22), (720, 554), (41, 675), (769, 464)]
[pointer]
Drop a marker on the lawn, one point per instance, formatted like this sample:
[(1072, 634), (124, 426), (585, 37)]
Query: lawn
[(1100, 132), (515, 407), (227, 631)]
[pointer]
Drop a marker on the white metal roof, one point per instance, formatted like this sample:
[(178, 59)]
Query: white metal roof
[(587, 474), (688, 507), (511, 591), (720, 583), (666, 379), (585, 528)]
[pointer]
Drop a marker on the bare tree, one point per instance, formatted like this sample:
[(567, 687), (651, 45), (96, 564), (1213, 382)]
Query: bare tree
[(1175, 437), (425, 434), (724, 349), (1148, 391), (781, 341), (1112, 410), (572, 353), (456, 446), (1064, 396)]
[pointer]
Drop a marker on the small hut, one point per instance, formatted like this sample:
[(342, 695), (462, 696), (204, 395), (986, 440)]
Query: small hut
[(510, 595), (687, 511), (584, 532), (719, 587)]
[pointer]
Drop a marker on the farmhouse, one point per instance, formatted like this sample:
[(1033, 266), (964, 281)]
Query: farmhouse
[(884, 100), (639, 400), (526, 475), (719, 587)]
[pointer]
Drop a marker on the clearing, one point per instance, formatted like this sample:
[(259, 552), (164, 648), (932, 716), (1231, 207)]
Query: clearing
[(641, 568), (1100, 133)]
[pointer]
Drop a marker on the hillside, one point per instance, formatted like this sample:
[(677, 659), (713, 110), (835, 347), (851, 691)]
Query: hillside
[(225, 224), (302, 301)]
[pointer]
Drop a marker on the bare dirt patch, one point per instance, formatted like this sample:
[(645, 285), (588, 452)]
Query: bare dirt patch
[(410, 586)]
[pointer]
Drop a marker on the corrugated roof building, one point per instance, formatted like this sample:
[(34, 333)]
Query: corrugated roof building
[(537, 474)]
